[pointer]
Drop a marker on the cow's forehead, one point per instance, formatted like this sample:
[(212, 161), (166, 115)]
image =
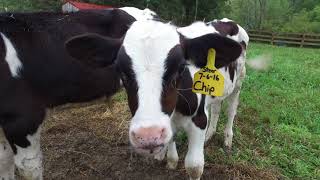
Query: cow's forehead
[(196, 29), (149, 42)]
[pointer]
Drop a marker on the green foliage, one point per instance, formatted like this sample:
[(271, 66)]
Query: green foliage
[(29, 5), (276, 15), (304, 21), (178, 11)]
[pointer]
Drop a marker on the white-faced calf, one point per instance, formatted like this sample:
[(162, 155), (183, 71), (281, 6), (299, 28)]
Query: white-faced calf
[(157, 62)]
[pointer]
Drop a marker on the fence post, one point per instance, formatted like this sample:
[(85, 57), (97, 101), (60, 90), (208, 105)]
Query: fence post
[(272, 38), (303, 39)]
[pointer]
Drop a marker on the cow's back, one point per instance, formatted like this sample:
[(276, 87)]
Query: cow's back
[(39, 41)]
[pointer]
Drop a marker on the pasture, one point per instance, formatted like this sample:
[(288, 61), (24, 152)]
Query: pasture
[(276, 131)]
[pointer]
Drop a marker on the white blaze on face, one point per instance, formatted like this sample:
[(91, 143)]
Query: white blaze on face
[(139, 14), (148, 43), (11, 58)]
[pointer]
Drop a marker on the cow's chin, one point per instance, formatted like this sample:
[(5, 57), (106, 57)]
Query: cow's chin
[(150, 152)]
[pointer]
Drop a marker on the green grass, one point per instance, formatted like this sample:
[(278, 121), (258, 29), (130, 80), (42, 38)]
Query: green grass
[(278, 123)]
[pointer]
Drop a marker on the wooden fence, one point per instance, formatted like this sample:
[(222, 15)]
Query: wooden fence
[(283, 39)]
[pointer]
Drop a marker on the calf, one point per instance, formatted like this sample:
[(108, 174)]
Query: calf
[(235, 74), (157, 62), (36, 72)]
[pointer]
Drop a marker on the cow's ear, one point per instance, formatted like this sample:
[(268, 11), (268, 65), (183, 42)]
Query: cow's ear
[(93, 50), (196, 49)]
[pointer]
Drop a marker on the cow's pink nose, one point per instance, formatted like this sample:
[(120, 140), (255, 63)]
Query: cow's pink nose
[(151, 138)]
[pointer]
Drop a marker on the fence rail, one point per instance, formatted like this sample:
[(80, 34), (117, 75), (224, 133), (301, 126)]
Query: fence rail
[(294, 39)]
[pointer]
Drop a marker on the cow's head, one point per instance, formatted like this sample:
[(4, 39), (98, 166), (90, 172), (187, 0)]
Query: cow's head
[(151, 59)]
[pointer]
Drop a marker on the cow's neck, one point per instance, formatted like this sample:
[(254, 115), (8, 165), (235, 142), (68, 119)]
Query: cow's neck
[(92, 84)]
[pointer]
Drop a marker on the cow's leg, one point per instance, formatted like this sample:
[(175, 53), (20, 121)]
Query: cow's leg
[(172, 155), (194, 161), (6, 159), (232, 109), (233, 102), (28, 160), (214, 117), (160, 156)]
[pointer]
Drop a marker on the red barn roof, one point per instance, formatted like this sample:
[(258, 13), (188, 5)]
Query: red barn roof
[(82, 6)]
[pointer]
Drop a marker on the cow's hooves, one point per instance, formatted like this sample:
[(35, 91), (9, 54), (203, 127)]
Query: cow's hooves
[(209, 136), (172, 164), (195, 173), (160, 156), (207, 139), (195, 179)]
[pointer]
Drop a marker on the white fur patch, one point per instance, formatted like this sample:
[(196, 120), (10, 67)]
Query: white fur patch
[(29, 160), (11, 58), (139, 14), (196, 29), (243, 35), (6, 158)]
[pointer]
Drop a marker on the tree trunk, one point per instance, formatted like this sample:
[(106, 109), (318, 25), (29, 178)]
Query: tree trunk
[(196, 10), (262, 12)]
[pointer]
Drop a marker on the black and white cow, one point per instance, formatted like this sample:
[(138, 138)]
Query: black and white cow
[(36, 72), (157, 62)]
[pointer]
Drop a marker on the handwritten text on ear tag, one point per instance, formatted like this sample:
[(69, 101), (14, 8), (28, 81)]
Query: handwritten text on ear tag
[(208, 80)]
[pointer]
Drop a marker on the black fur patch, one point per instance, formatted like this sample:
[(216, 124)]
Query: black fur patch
[(200, 119), (232, 68), (243, 45), (171, 79), (124, 67), (226, 28)]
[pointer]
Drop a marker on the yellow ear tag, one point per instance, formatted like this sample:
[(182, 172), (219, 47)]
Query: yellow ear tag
[(208, 80)]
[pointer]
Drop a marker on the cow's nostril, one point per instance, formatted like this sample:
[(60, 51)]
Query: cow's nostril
[(133, 134)]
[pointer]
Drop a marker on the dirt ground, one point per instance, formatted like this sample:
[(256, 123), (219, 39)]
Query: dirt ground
[(90, 141)]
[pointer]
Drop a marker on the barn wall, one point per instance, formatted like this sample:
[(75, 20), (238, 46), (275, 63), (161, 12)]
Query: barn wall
[(69, 8)]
